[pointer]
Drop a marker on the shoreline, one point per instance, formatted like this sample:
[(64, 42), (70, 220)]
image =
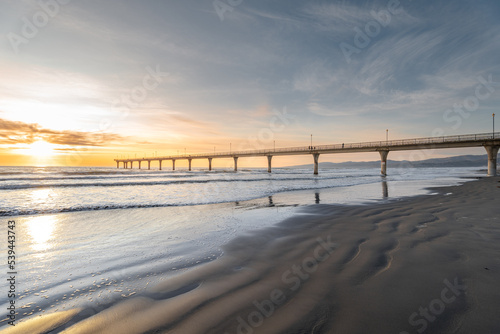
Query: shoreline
[(425, 263)]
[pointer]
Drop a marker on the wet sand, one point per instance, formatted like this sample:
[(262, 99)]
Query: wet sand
[(429, 264)]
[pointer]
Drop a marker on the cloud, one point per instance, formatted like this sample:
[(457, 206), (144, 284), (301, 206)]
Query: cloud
[(15, 132)]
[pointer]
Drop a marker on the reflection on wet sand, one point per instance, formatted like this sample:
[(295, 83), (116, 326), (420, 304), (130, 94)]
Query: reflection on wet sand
[(41, 230), (317, 196)]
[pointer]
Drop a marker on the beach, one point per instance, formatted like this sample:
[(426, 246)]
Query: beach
[(424, 264)]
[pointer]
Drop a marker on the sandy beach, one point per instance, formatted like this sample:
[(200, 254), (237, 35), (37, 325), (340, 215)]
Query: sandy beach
[(427, 264)]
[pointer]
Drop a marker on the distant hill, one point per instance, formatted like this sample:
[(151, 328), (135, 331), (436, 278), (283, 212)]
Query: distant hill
[(458, 161)]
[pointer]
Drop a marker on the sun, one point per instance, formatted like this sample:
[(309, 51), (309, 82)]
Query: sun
[(41, 149)]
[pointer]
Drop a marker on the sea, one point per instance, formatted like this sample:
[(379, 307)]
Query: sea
[(89, 237)]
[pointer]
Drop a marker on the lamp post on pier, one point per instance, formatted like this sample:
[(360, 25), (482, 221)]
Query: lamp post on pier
[(493, 126)]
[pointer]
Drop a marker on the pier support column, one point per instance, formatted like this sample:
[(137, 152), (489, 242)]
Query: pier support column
[(492, 159), (118, 164), (316, 164), (383, 162), (269, 158), (189, 161), (125, 164), (131, 165), (160, 164), (173, 164), (235, 164), (140, 164), (209, 164), (149, 164)]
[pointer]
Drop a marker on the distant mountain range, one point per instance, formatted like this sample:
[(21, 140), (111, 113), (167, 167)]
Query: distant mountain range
[(458, 161)]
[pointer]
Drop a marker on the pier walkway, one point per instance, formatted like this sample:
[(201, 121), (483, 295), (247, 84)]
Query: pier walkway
[(490, 141)]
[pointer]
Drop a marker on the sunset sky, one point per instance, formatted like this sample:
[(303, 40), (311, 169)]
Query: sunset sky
[(84, 82)]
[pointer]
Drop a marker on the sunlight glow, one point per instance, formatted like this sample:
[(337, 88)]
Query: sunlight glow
[(41, 149), (41, 230)]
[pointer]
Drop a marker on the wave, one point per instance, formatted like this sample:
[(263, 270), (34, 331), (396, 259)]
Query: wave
[(91, 177), (8, 213), (170, 182)]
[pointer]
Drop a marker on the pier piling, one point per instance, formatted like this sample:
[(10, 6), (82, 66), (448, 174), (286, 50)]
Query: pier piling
[(383, 162), (316, 164), (492, 159)]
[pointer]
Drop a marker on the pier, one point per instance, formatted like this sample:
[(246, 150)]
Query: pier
[(490, 141)]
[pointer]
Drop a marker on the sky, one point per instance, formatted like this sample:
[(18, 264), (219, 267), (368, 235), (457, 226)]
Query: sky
[(85, 82)]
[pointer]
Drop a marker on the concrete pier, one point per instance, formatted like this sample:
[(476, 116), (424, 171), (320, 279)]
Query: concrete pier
[(383, 162), (492, 159), (491, 142), (316, 167)]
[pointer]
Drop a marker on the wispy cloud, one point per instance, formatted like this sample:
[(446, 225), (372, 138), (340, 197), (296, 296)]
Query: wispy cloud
[(24, 133)]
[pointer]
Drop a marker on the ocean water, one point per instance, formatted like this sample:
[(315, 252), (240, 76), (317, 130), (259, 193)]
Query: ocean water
[(35, 190), (90, 237)]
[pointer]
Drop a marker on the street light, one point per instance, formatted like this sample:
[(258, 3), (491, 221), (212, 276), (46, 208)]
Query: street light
[(493, 126), (311, 141), (386, 135)]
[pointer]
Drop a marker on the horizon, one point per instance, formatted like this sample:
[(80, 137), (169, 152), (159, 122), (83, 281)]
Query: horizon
[(184, 168), (83, 83)]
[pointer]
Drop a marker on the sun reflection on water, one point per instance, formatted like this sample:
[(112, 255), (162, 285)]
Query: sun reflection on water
[(42, 196)]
